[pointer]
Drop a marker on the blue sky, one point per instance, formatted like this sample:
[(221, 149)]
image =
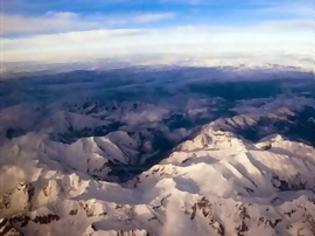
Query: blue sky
[(219, 12), (260, 28)]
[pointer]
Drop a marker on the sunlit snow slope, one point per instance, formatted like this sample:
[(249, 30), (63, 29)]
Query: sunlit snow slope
[(214, 184), (204, 158)]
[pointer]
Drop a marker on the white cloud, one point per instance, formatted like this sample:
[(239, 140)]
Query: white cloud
[(261, 44), (69, 21), (29, 24)]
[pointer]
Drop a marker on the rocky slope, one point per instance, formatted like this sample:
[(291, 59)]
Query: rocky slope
[(202, 159), (214, 184)]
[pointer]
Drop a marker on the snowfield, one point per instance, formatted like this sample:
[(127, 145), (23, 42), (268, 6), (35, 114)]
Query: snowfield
[(214, 184), (185, 164)]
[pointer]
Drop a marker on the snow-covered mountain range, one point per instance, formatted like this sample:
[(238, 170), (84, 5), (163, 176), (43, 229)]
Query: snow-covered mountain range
[(181, 163)]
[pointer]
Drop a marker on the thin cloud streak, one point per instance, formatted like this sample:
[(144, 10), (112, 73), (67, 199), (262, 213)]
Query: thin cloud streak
[(53, 22)]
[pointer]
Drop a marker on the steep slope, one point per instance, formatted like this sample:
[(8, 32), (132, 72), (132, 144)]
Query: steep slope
[(91, 156), (214, 184), (70, 141), (290, 116)]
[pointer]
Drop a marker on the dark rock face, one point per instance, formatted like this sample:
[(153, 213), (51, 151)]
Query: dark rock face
[(7, 228), (46, 219), (206, 209), (244, 217), (20, 220)]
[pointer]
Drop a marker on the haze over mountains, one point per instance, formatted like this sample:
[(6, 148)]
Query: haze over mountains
[(158, 151)]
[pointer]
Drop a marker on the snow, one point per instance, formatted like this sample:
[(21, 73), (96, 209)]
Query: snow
[(226, 186), (214, 183)]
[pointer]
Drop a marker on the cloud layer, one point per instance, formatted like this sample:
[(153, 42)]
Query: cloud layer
[(267, 43), (158, 32), (52, 22)]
